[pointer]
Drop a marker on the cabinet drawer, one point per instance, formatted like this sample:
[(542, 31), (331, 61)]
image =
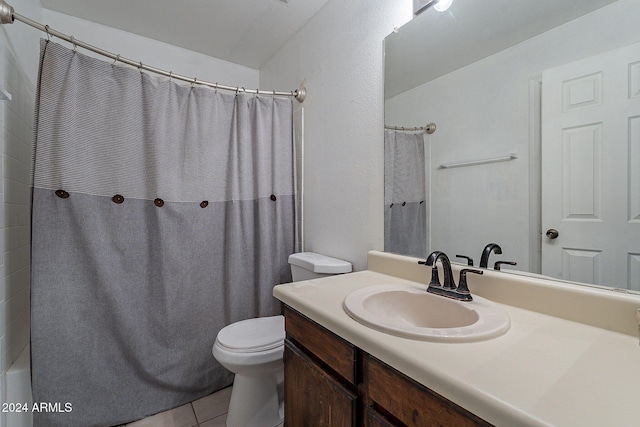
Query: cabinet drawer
[(323, 345), (411, 402)]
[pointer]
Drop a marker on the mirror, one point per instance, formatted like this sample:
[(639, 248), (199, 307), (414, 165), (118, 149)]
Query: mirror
[(492, 76)]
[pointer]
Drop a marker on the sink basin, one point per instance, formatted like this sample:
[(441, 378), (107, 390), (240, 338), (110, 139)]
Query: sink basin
[(410, 311)]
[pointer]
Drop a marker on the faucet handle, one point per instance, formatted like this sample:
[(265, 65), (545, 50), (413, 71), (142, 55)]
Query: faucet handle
[(462, 285), (435, 277), (496, 266), (469, 259)]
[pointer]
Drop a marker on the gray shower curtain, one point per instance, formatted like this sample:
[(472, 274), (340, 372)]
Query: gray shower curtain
[(405, 210), (161, 213)]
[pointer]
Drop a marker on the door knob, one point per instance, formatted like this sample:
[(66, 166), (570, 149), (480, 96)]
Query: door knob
[(552, 233)]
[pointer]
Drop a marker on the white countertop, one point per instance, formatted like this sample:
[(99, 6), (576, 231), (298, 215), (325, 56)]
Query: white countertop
[(545, 371)]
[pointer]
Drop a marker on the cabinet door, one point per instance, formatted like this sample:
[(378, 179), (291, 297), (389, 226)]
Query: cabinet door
[(312, 398), (374, 419)]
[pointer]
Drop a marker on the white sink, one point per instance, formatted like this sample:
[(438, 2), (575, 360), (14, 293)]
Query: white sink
[(410, 311)]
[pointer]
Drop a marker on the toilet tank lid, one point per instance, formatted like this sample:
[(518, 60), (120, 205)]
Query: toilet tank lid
[(319, 263)]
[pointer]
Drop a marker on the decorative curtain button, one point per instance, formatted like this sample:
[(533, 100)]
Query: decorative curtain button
[(158, 202), (118, 198), (273, 197), (204, 204), (62, 194)]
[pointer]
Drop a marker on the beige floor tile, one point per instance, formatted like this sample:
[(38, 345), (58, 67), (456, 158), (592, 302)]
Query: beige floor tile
[(212, 406), (182, 416), (215, 422)]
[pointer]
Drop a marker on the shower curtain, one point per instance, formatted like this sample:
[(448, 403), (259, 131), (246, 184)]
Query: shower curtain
[(161, 213), (405, 213)]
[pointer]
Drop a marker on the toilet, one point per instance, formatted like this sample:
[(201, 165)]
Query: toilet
[(253, 350)]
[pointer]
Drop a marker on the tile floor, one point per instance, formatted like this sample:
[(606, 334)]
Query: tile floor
[(210, 411)]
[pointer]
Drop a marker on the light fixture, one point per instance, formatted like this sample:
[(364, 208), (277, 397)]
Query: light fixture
[(420, 6), (442, 5)]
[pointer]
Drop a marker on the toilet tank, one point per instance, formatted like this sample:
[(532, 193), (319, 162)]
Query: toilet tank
[(310, 265)]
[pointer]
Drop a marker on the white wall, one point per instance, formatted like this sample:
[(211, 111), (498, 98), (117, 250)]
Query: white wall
[(152, 52), (18, 65), (23, 39), (482, 111), (340, 54)]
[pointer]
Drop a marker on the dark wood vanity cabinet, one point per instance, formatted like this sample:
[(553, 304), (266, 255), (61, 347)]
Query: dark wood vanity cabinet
[(330, 382), (408, 402), (320, 378), (317, 399)]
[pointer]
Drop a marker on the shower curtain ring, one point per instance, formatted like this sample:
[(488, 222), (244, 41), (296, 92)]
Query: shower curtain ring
[(140, 66), (170, 73), (116, 59), (46, 28), (75, 46), (195, 79)]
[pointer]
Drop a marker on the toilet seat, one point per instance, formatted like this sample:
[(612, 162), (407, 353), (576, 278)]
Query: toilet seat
[(252, 335)]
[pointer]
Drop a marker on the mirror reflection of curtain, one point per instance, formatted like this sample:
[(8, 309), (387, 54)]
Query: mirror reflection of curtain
[(405, 213)]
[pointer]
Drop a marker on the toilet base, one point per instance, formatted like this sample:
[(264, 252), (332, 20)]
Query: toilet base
[(255, 402)]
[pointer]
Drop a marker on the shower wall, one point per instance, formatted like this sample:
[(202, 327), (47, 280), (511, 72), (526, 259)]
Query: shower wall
[(16, 173), (18, 58)]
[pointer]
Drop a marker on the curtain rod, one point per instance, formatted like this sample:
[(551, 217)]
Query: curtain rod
[(8, 16), (430, 128)]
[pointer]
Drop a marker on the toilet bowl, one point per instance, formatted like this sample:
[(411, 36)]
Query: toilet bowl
[(253, 350)]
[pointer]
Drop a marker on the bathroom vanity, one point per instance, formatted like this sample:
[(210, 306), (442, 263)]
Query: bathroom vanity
[(346, 386), (570, 357)]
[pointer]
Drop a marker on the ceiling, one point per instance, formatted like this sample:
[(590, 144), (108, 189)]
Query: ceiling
[(434, 43), (245, 32)]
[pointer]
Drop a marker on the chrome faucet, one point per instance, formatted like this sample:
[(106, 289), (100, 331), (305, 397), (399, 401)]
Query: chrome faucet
[(448, 289), (491, 247)]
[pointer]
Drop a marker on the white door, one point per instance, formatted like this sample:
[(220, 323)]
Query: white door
[(591, 169)]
